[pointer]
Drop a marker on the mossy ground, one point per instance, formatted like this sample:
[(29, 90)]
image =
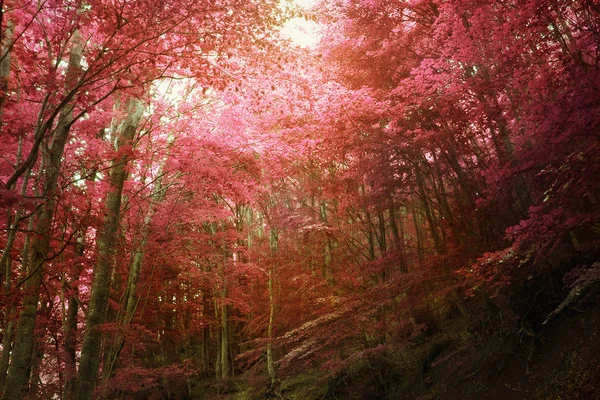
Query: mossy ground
[(562, 363)]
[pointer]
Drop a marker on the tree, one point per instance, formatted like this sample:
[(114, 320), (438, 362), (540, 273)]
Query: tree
[(188, 193)]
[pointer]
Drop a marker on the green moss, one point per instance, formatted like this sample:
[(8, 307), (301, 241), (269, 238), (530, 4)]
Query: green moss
[(304, 387)]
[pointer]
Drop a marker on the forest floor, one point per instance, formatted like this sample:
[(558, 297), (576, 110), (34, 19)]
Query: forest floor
[(562, 362)]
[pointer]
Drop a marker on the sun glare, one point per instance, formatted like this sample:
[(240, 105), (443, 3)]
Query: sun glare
[(304, 3), (302, 32)]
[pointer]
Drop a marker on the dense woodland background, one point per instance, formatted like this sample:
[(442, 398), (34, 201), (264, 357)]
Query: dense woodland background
[(195, 206)]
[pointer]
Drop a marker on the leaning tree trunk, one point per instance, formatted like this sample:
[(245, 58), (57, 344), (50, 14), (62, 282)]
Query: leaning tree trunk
[(106, 244), (130, 297), (18, 372), (6, 266)]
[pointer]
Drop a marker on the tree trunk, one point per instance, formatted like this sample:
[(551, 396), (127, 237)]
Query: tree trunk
[(70, 325), (218, 347), (106, 246), (270, 363), (130, 297), (5, 65), (418, 231), (18, 372), (39, 352), (398, 238), (6, 273), (7, 342), (439, 248), (8, 326), (224, 339)]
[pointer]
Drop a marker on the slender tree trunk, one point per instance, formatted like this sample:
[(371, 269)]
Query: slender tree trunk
[(270, 363), (326, 270), (70, 324), (69, 345), (5, 65), (429, 214), (224, 319), (382, 232), (7, 339), (111, 317), (6, 274), (218, 347), (397, 229), (205, 334), (106, 247), (418, 230), (39, 352), (12, 225), (224, 340), (10, 316), (130, 297)]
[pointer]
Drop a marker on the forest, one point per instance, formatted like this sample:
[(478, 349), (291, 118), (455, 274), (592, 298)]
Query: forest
[(279, 199)]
